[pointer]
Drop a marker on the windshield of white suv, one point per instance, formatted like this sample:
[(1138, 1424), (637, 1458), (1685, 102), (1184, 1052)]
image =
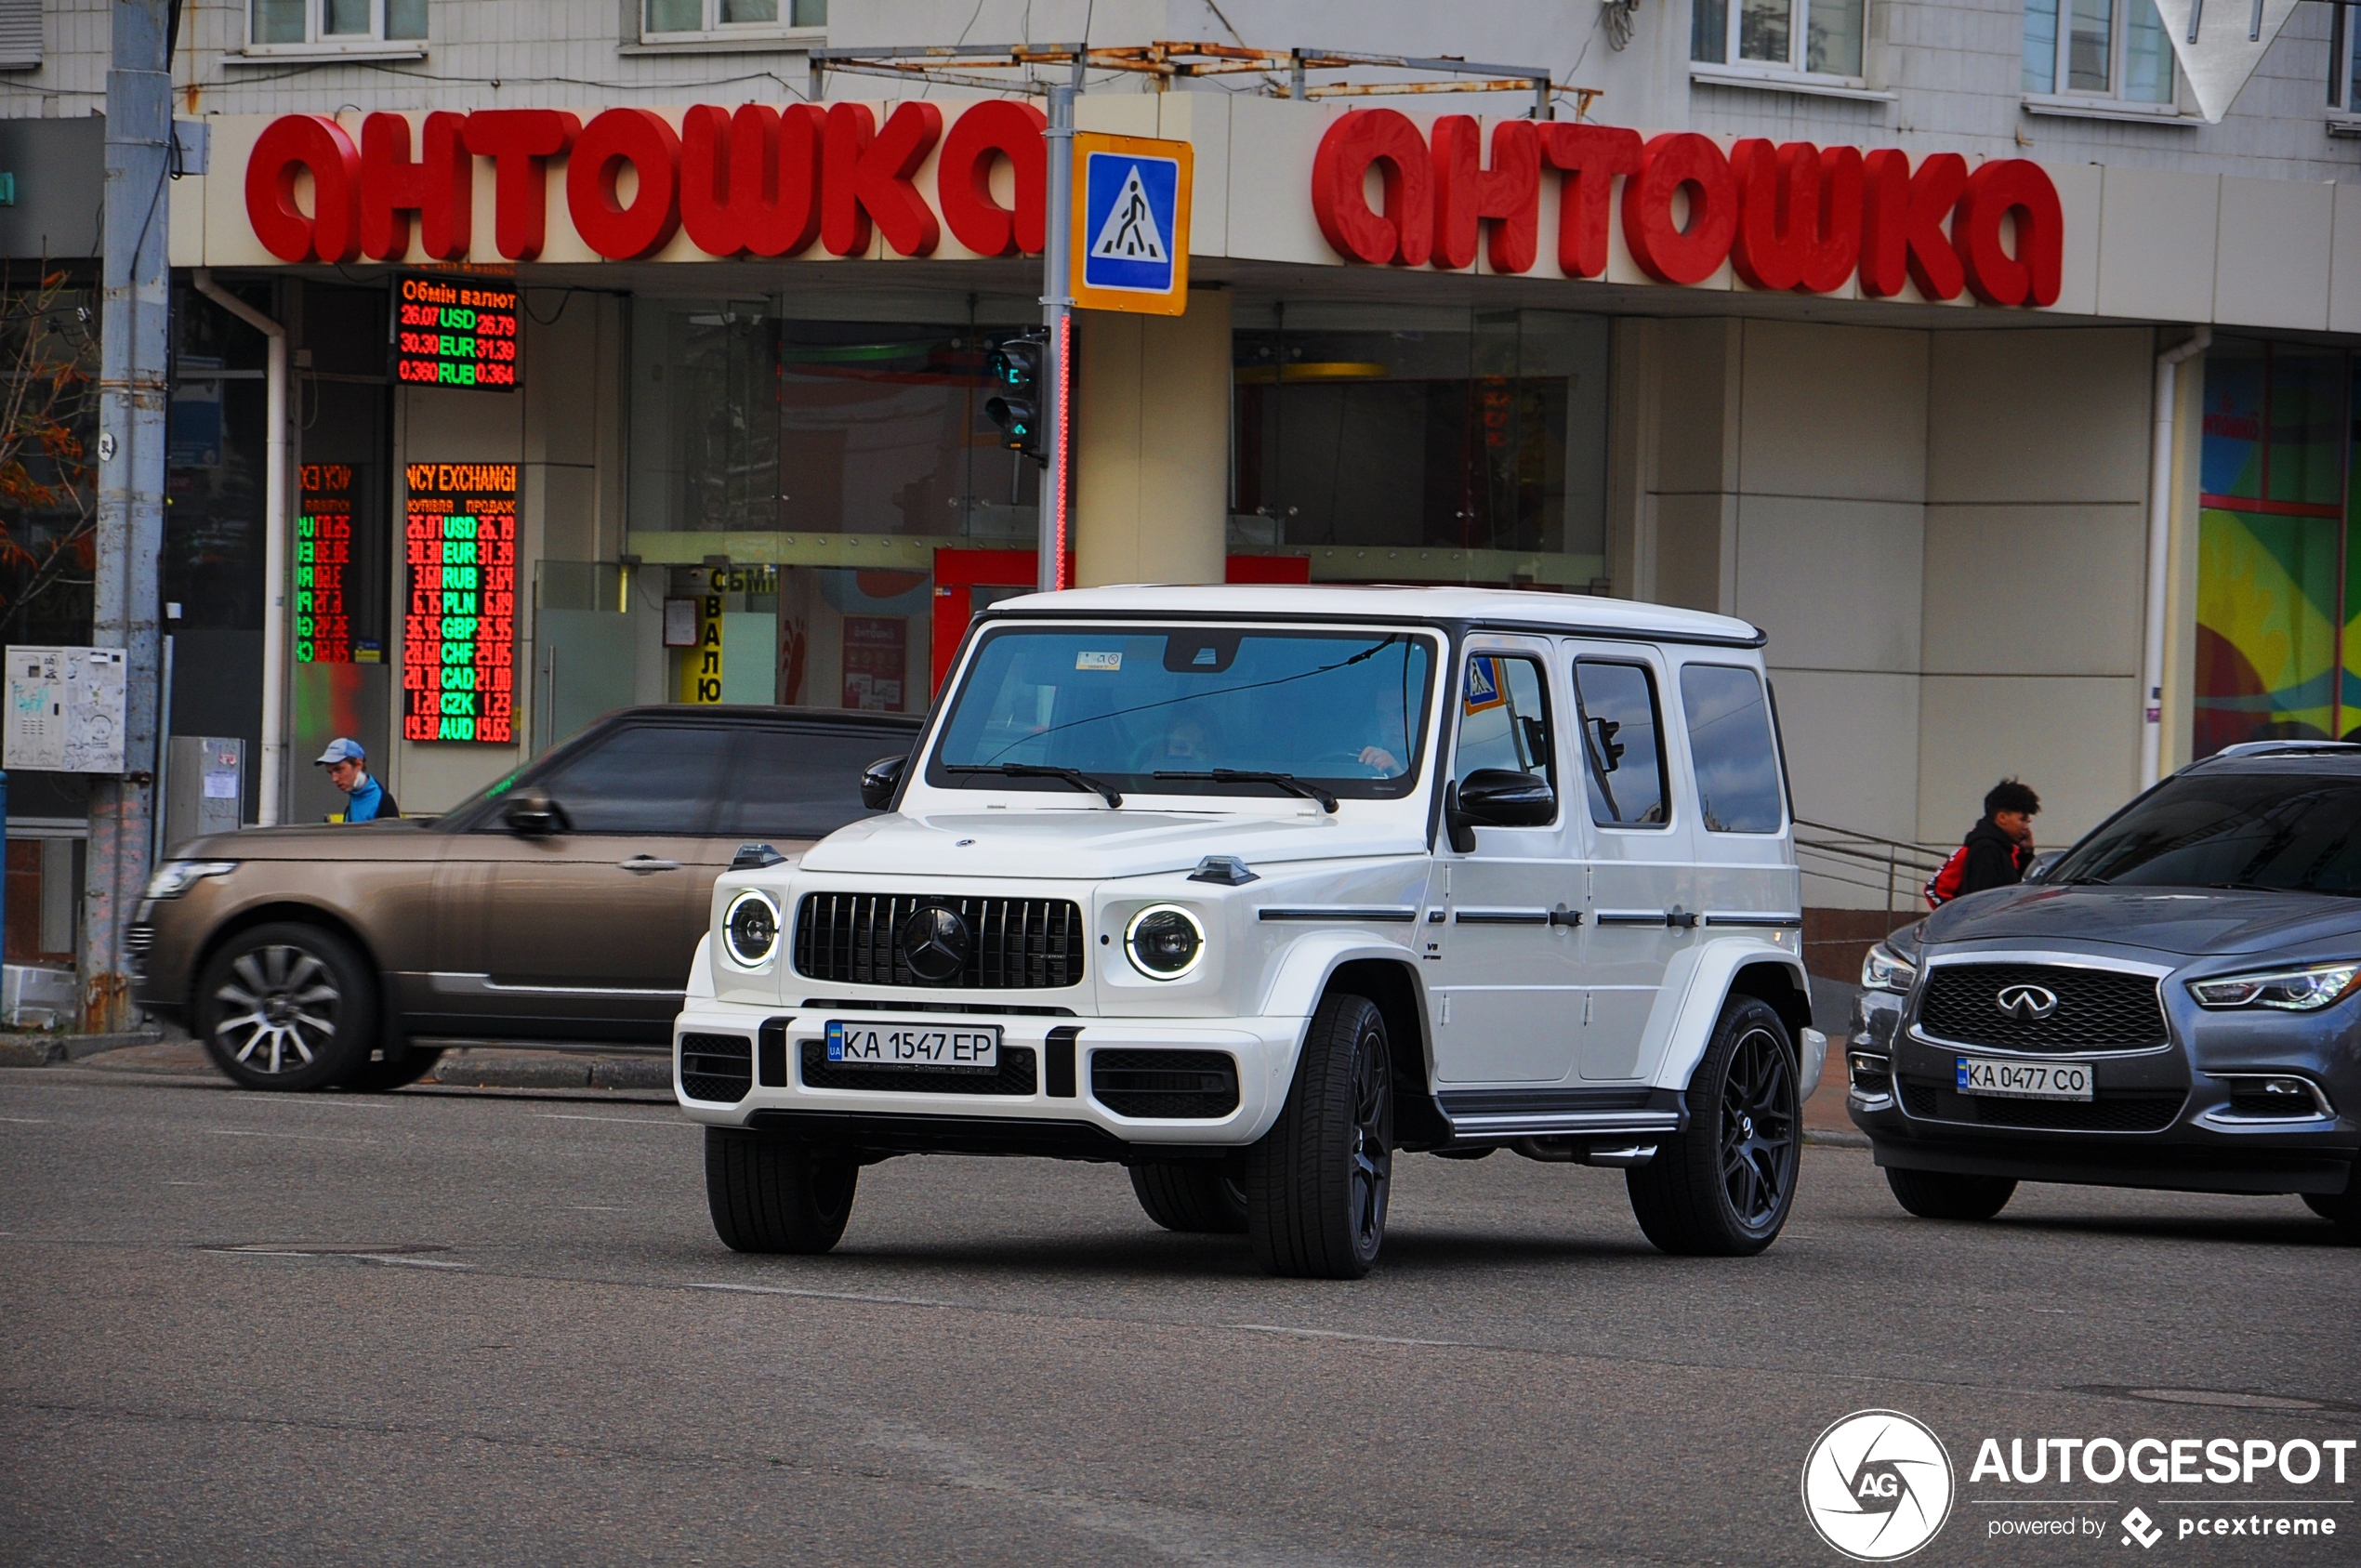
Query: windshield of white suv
[(2264, 830), (1163, 710)]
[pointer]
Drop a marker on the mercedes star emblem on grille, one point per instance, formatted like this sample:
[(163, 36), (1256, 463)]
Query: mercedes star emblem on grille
[(934, 944), (2027, 1004)]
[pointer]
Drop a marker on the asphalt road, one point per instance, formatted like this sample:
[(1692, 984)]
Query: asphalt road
[(428, 1328)]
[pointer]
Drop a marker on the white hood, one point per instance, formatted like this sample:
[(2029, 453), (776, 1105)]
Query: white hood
[(1092, 843)]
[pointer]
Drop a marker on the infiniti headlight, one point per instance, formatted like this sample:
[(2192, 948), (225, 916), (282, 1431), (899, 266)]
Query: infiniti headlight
[(1884, 969), (1164, 942), (174, 877), (750, 928), (2296, 991)]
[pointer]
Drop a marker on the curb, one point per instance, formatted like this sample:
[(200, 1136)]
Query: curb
[(534, 1070), (1836, 1140), (47, 1050)]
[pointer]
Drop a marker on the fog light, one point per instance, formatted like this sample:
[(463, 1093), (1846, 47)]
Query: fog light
[(1871, 1072)]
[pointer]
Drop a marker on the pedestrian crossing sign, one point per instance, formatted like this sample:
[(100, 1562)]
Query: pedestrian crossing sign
[(1130, 224)]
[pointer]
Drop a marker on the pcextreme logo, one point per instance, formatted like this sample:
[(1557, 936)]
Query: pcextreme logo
[(1878, 1485)]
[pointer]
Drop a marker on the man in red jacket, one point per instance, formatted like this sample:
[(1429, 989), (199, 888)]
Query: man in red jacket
[(1997, 848)]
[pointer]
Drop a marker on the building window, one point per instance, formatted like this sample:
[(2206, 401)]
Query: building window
[(1815, 38), (2105, 48), (2345, 82), (334, 24), (671, 20), (1406, 444)]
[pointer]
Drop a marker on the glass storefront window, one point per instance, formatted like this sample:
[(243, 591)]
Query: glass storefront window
[(1438, 445), (2276, 588)]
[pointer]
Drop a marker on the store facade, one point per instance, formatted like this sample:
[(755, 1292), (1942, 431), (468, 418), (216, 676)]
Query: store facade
[(1898, 410)]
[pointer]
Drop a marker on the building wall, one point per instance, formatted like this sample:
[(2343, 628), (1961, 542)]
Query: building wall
[(1952, 67)]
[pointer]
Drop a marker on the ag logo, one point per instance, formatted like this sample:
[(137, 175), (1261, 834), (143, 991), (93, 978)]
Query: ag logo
[(1876, 1485)]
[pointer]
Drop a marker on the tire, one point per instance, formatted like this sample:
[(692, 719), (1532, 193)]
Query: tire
[(2341, 1209), (1933, 1194), (1194, 1197), (1724, 1188), (391, 1071), (287, 1006), (773, 1192), (1318, 1183)]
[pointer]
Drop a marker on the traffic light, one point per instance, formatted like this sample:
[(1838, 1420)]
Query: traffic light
[(1015, 368)]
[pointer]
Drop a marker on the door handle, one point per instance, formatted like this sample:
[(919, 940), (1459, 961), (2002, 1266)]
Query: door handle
[(1680, 918), (648, 863), (1562, 915)]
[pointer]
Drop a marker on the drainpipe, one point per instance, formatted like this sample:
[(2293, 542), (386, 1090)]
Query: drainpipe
[(2159, 550), (274, 549)]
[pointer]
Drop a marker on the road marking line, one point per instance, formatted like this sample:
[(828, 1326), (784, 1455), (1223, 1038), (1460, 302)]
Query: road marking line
[(27, 1121), (400, 1262), (1338, 1333), (821, 1295)]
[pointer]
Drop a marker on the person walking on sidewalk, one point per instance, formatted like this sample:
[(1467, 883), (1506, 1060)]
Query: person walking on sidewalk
[(347, 768), (1996, 849)]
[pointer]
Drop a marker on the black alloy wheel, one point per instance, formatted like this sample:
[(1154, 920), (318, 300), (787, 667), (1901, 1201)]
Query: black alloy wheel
[(287, 1006), (2341, 1209), (1319, 1183), (1724, 1187)]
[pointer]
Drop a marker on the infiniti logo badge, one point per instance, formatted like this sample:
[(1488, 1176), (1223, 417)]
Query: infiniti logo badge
[(934, 944), (2027, 1004)]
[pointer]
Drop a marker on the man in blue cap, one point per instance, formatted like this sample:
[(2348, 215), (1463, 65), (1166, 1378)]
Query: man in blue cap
[(348, 769)]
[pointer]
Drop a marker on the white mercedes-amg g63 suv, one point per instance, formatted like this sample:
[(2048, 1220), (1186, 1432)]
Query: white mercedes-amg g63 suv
[(1251, 888)]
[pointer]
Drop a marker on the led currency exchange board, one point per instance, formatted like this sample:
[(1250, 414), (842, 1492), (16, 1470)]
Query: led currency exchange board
[(455, 332), (459, 645)]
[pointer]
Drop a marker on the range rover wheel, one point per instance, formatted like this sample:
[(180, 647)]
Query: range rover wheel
[(770, 1192), (2342, 1208), (1191, 1197), (1724, 1188), (392, 1067), (1935, 1194), (1317, 1184), (287, 1006)]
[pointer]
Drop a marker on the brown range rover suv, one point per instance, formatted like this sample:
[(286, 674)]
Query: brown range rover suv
[(563, 905)]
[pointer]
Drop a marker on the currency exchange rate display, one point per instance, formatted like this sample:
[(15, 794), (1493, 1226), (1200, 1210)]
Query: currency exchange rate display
[(322, 552), (455, 332), (459, 642)]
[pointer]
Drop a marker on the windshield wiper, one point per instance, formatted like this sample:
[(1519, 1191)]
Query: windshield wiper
[(1074, 776), (1287, 782)]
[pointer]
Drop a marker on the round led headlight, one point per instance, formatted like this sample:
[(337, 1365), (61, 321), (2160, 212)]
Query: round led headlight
[(750, 929), (1164, 942)]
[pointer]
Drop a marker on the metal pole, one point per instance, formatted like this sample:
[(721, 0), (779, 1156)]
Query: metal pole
[(156, 845), (1057, 316), (130, 525)]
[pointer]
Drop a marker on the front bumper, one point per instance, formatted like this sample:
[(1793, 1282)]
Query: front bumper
[(2157, 1121), (1053, 1116)]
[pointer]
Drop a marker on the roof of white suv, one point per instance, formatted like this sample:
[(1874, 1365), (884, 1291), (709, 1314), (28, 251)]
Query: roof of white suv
[(1552, 611)]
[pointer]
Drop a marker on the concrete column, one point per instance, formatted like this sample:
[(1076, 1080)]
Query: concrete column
[(1151, 444)]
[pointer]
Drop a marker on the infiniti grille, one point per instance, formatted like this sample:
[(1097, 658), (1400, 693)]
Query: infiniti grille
[(1013, 944), (2098, 1009)]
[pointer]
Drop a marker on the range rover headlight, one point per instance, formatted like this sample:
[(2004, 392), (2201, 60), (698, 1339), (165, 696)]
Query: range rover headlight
[(750, 929), (174, 877), (1164, 942), (2296, 991), (1884, 969)]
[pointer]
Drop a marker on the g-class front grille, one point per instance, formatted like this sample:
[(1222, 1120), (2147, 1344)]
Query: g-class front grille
[(1200, 1086), (2087, 1009), (2127, 1110), (716, 1067), (993, 944)]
